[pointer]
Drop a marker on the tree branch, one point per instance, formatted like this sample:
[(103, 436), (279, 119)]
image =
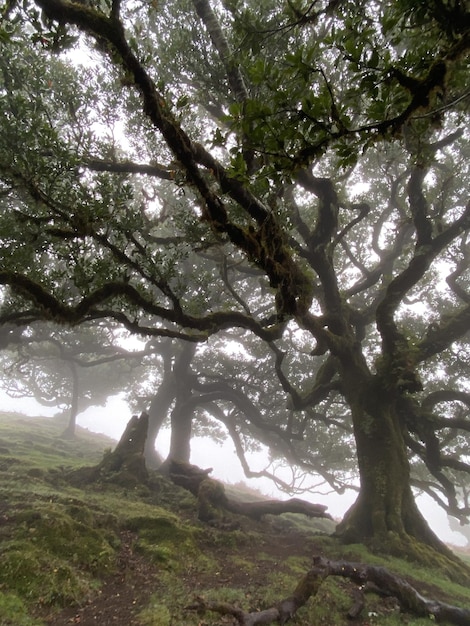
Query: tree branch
[(440, 337), (129, 167), (409, 277), (209, 19), (382, 581), (53, 308)]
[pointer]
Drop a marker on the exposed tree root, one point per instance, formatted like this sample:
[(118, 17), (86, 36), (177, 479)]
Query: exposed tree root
[(213, 499), (281, 613), (377, 579), (390, 584)]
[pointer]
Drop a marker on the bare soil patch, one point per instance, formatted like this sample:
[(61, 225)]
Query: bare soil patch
[(121, 597), (127, 592)]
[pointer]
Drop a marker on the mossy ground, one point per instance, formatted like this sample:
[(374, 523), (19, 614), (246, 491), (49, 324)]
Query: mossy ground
[(137, 556)]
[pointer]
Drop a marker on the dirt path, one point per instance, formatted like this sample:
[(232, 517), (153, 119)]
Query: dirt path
[(120, 599), (124, 595)]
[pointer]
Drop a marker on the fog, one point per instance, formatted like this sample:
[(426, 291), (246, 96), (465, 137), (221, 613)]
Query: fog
[(111, 420)]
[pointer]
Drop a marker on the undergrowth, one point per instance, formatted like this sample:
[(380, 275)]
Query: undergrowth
[(60, 544)]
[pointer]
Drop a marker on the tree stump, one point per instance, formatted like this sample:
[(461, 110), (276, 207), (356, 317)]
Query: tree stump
[(127, 459), (125, 465)]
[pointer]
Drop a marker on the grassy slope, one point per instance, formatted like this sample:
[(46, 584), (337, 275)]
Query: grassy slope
[(64, 548)]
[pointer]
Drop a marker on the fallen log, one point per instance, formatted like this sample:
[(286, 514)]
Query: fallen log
[(378, 579), (212, 497)]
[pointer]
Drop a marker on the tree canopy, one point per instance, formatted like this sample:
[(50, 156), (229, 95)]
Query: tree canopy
[(286, 179)]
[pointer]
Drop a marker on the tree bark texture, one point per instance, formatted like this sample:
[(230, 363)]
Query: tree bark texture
[(158, 410), (128, 457), (213, 500), (182, 414), (125, 465), (385, 509), (385, 515), (379, 579)]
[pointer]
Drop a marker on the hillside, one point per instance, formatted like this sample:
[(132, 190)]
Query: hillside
[(135, 555)]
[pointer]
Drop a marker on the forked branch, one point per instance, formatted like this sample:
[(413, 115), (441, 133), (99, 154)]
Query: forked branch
[(378, 579)]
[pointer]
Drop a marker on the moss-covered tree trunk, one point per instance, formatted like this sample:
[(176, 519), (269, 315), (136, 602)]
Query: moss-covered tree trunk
[(160, 405), (385, 514), (125, 465), (385, 503)]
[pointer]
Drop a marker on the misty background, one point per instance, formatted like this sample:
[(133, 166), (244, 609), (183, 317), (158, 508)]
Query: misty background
[(111, 420)]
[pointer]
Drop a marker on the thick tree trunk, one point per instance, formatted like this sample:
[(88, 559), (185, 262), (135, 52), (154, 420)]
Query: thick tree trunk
[(182, 414), (385, 514), (69, 432), (158, 410), (181, 427), (160, 404)]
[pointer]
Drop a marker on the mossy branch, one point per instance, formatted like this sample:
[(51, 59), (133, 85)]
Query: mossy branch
[(52, 307), (264, 244)]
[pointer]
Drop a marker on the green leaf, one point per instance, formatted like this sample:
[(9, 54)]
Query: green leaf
[(182, 101)]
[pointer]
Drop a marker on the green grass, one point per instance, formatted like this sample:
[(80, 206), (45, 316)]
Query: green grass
[(14, 612), (59, 544)]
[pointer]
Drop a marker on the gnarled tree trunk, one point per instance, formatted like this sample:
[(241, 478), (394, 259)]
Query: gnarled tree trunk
[(385, 514), (159, 407), (126, 461), (182, 414)]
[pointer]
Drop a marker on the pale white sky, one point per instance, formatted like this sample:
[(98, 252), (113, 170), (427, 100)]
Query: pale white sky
[(112, 419)]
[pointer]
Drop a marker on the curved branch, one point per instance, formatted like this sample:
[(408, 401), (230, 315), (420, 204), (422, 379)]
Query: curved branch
[(281, 613), (421, 92), (409, 598), (129, 167), (223, 391), (438, 338), (452, 278), (446, 395), (380, 579), (240, 452), (54, 309), (435, 467), (327, 221), (210, 21), (323, 384), (406, 280)]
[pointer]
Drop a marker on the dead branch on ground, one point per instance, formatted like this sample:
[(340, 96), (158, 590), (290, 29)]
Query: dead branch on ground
[(378, 579)]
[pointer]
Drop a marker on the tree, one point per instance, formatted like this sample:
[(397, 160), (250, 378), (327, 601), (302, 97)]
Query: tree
[(67, 369), (294, 172)]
